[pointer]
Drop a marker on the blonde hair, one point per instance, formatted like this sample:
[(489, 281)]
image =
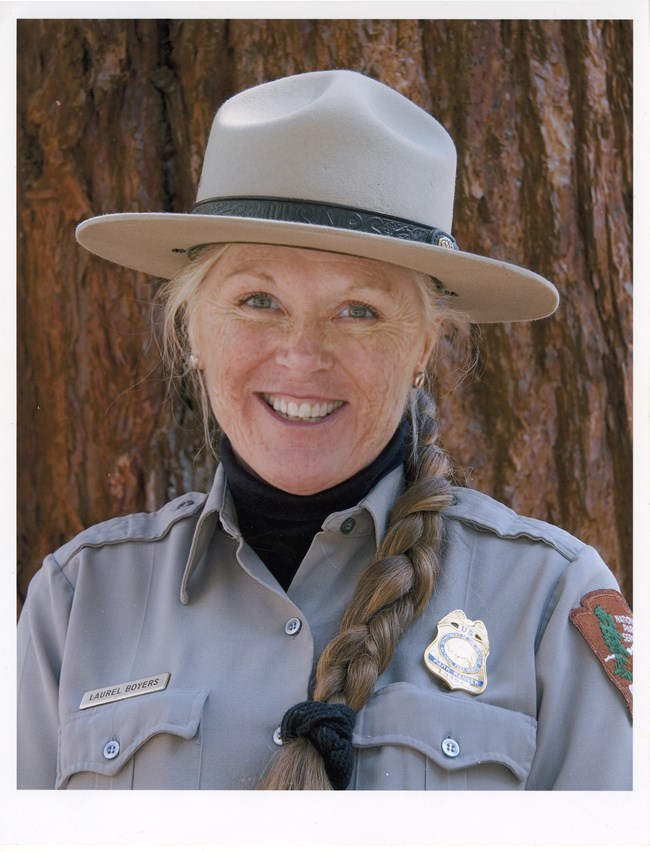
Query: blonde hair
[(394, 589), (180, 297)]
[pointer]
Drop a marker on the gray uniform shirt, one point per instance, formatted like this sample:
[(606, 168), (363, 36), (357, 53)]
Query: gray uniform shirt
[(179, 591)]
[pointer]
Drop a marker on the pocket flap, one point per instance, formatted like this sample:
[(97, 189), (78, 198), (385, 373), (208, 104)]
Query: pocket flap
[(405, 715), (102, 739)]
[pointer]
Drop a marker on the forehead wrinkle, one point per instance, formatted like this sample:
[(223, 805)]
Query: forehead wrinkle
[(232, 263)]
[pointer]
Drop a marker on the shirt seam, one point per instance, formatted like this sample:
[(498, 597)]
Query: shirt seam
[(121, 539), (481, 526)]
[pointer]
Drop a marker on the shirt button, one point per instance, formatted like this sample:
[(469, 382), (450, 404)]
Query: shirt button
[(348, 525), (450, 747), (292, 626), (111, 749), (277, 739)]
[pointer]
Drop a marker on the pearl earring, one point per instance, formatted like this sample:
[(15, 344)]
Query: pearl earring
[(193, 362)]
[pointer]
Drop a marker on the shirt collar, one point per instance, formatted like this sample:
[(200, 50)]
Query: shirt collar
[(218, 507), (214, 509)]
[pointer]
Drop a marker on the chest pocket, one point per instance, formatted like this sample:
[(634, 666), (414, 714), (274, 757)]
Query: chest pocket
[(147, 742), (408, 738)]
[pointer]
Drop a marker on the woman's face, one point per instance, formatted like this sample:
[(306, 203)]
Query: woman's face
[(308, 358)]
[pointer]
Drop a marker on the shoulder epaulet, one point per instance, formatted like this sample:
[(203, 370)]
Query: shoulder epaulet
[(482, 512), (141, 526)]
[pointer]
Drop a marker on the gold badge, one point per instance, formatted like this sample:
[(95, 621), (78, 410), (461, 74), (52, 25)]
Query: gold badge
[(459, 653)]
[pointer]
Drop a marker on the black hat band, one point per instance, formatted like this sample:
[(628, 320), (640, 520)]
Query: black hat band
[(328, 215)]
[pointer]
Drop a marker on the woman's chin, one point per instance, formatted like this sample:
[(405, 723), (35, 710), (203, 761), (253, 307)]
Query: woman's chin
[(307, 470), (298, 456), (302, 484)]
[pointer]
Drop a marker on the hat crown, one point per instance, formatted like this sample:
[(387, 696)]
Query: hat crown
[(333, 137)]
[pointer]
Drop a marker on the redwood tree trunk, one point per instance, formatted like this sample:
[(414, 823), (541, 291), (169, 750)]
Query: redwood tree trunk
[(114, 115)]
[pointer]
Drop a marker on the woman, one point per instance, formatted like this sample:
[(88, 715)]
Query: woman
[(333, 614)]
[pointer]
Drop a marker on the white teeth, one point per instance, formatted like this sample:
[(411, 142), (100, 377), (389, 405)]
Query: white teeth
[(304, 410)]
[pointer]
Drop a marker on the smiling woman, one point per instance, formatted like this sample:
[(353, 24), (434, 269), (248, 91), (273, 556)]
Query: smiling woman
[(335, 613), (309, 377)]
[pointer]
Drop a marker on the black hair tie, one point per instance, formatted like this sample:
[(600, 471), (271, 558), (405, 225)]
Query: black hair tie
[(328, 727)]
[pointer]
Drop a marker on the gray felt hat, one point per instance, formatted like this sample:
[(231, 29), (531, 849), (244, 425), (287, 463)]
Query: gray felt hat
[(336, 161)]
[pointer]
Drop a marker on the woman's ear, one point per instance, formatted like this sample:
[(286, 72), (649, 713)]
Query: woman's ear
[(195, 361), (428, 345)]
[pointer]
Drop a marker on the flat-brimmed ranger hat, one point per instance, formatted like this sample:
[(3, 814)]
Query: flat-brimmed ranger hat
[(335, 161)]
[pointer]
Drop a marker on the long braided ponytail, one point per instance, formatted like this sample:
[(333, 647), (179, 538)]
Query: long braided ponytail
[(391, 594)]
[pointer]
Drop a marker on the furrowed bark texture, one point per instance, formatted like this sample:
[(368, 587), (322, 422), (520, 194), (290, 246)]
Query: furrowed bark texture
[(114, 115)]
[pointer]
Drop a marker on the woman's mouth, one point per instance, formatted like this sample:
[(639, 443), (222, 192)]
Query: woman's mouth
[(307, 412)]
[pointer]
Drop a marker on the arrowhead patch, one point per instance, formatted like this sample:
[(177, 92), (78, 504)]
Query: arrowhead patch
[(605, 621)]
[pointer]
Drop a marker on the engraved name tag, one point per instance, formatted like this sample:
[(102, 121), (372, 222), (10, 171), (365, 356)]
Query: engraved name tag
[(108, 694)]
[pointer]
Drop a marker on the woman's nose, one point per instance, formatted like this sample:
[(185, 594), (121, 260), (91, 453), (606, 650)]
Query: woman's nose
[(304, 348)]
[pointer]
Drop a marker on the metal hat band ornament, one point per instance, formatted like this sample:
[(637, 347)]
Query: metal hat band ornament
[(333, 161), (459, 652)]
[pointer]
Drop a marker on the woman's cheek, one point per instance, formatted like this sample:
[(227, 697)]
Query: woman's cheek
[(231, 340), (391, 355)]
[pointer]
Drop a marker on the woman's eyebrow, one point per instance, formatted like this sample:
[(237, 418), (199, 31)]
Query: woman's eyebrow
[(251, 271), (372, 284)]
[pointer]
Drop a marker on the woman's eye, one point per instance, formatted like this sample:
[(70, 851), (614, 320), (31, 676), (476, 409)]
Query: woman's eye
[(357, 310), (259, 300)]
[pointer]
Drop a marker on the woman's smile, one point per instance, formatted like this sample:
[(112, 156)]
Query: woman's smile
[(301, 410)]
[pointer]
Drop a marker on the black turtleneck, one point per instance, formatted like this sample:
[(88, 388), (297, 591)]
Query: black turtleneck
[(280, 526)]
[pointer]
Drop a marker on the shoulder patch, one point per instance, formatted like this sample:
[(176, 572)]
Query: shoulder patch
[(605, 621)]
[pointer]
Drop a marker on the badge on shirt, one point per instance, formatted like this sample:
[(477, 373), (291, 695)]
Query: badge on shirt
[(459, 652), (605, 621), (120, 691)]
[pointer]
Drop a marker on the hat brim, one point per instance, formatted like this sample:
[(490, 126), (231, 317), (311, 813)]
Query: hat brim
[(484, 289)]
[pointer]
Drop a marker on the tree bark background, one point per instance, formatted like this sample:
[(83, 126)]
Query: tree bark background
[(114, 115)]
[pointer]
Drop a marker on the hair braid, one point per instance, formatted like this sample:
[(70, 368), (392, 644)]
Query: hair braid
[(391, 594)]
